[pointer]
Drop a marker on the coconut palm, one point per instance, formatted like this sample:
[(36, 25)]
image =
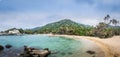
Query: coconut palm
[(114, 21), (107, 18)]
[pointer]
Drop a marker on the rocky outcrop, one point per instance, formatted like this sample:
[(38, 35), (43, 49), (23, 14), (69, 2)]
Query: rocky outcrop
[(1, 48), (8, 46), (12, 31), (32, 52)]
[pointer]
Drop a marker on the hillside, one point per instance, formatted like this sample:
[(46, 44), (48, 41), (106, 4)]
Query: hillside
[(65, 26)]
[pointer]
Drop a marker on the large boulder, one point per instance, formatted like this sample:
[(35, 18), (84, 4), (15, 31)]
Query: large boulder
[(8, 46), (33, 52), (1, 48)]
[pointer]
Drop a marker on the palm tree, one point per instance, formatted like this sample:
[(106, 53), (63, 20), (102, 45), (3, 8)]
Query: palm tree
[(114, 21), (107, 18)]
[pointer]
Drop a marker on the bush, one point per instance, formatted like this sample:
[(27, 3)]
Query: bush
[(102, 31), (108, 32), (116, 31)]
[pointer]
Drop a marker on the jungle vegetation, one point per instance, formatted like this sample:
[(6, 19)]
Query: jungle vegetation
[(105, 29)]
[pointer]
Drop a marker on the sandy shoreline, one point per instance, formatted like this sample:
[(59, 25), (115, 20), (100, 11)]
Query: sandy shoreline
[(110, 46)]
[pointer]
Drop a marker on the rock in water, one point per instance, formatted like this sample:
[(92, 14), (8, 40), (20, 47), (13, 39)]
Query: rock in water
[(33, 52), (1, 48), (90, 52), (8, 46)]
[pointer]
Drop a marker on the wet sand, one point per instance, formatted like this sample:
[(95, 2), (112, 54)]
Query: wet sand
[(109, 47)]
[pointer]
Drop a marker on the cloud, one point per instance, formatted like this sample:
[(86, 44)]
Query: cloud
[(33, 13), (22, 18)]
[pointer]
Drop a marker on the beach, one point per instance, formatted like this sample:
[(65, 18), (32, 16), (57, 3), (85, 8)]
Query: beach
[(109, 46)]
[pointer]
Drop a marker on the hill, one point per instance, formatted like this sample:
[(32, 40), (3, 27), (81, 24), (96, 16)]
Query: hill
[(36, 28), (65, 26)]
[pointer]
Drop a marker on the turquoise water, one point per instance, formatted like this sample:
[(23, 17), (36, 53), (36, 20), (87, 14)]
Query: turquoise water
[(64, 47)]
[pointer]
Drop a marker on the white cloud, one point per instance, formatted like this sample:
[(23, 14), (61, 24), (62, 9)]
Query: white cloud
[(23, 20), (81, 13), (93, 22)]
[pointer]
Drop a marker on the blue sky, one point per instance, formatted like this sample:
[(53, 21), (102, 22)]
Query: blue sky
[(34, 13)]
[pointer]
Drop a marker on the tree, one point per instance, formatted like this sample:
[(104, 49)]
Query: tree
[(104, 30), (114, 22), (21, 30), (116, 30), (28, 31), (107, 18)]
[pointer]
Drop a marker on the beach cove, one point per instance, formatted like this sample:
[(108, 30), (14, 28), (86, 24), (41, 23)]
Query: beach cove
[(62, 45), (109, 46)]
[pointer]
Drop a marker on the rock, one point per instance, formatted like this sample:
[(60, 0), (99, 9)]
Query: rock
[(90, 52), (48, 53), (46, 49), (1, 48), (33, 52), (63, 53), (35, 55), (116, 55), (70, 53), (8, 46)]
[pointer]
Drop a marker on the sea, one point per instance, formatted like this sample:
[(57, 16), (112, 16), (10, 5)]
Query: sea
[(59, 46)]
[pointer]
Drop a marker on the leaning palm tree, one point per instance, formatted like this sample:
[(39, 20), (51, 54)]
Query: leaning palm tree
[(114, 21), (107, 18)]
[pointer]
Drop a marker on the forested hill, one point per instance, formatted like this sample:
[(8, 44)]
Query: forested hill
[(65, 26)]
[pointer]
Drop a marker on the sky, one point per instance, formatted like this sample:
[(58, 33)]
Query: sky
[(34, 13)]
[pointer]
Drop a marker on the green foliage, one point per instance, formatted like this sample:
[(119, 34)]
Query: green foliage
[(21, 30), (116, 30), (28, 31), (105, 30), (65, 26)]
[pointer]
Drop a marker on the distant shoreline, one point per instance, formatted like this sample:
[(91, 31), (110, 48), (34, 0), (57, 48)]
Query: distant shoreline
[(110, 46)]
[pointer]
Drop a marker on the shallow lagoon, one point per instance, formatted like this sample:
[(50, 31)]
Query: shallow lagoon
[(63, 47)]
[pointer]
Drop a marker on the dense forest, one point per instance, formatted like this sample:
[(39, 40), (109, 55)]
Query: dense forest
[(65, 26)]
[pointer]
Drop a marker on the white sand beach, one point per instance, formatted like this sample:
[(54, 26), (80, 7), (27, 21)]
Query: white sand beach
[(109, 46)]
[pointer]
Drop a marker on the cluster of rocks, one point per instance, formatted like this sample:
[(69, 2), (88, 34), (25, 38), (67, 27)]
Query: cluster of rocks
[(32, 52), (6, 46)]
